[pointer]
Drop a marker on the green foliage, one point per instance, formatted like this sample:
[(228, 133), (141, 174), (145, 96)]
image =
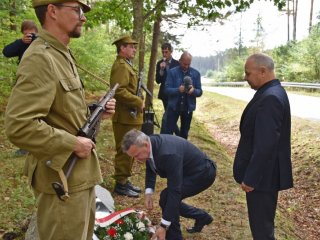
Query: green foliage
[(113, 11), (213, 9), (299, 61), (210, 74), (94, 52), (234, 71)]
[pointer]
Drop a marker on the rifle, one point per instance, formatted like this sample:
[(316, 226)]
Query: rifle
[(134, 112), (89, 130)]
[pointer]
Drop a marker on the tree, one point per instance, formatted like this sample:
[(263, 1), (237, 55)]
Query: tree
[(258, 40), (311, 14), (295, 14)]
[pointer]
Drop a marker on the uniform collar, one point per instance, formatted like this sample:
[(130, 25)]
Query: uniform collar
[(52, 41)]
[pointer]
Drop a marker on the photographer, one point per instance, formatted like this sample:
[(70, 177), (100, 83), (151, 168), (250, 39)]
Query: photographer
[(19, 46), (183, 86)]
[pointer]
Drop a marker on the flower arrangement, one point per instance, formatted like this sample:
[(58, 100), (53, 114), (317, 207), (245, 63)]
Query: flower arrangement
[(132, 226)]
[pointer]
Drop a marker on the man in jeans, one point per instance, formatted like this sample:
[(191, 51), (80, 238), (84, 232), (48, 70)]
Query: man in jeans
[(183, 86)]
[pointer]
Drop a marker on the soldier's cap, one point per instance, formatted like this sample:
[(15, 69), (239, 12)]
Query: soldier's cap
[(123, 40), (36, 3)]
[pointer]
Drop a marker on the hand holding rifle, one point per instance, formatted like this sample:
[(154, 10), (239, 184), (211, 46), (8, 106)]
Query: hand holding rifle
[(86, 135)]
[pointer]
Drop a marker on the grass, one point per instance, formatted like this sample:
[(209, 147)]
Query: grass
[(215, 130)]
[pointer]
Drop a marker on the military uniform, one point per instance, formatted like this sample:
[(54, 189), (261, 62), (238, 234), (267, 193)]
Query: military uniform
[(122, 72), (46, 108)]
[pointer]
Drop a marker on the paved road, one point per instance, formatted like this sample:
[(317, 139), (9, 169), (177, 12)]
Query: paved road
[(301, 106)]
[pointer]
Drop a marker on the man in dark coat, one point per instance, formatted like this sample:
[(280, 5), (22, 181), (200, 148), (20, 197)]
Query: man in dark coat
[(188, 171), (262, 164), (163, 65), (18, 47)]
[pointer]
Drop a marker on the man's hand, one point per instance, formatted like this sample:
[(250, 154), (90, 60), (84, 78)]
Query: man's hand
[(181, 88), (83, 147), (148, 201), (246, 188), (27, 38), (110, 109), (191, 90), (160, 234), (163, 65)]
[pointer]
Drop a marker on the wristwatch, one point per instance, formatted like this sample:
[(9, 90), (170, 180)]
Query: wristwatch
[(166, 227)]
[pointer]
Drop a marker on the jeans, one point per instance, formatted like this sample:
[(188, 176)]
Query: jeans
[(164, 121), (172, 118)]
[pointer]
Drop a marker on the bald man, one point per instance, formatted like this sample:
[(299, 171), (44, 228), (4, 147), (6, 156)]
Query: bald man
[(262, 165), (183, 86)]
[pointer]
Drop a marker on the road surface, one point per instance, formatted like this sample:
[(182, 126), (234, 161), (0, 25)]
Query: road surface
[(301, 106)]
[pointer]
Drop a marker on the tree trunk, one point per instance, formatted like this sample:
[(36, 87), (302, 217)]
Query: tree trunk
[(13, 15), (137, 33), (295, 13), (311, 14), (153, 58), (288, 15)]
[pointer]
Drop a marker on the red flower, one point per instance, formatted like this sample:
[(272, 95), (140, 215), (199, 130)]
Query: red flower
[(112, 232), (119, 221)]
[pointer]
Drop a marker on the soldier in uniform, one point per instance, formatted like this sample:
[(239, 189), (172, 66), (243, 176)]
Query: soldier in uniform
[(128, 113), (45, 110)]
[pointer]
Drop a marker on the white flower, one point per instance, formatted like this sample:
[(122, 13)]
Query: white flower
[(128, 236), (141, 226)]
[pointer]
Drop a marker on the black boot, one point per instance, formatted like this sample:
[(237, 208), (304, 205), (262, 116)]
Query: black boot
[(123, 189), (132, 187)]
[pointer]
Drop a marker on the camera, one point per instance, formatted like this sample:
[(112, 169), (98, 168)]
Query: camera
[(33, 37), (187, 82)]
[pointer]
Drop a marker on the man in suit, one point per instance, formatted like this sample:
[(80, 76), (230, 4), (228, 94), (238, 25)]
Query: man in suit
[(183, 86), (163, 65), (188, 171), (128, 114), (262, 165)]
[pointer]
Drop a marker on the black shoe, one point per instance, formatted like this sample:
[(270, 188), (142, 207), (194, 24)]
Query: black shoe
[(132, 187), (122, 189), (199, 224)]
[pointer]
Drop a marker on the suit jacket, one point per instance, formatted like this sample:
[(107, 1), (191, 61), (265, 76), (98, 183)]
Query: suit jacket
[(175, 78), (162, 79), (263, 157), (175, 159)]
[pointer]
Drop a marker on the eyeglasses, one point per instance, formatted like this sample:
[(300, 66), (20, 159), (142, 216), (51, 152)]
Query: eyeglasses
[(78, 9)]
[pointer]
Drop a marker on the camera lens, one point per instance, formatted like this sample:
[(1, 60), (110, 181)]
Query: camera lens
[(33, 36)]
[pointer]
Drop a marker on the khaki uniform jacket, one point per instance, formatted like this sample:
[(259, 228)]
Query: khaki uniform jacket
[(124, 74), (45, 110)]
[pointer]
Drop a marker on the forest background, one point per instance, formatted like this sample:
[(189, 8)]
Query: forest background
[(143, 19)]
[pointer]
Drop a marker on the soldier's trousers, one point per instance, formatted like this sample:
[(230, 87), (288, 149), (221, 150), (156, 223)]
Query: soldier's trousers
[(66, 220), (122, 162)]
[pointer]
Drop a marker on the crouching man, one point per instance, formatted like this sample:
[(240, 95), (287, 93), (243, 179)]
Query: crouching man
[(188, 171)]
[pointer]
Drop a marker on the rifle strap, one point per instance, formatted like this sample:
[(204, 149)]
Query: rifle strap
[(64, 183), (93, 75)]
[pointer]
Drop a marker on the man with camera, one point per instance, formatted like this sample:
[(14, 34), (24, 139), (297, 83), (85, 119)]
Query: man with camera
[(19, 46), (183, 86)]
